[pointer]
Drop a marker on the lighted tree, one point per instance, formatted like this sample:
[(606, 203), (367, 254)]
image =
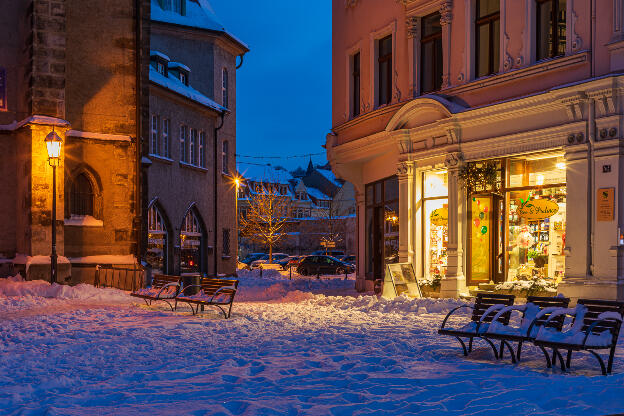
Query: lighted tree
[(266, 216)]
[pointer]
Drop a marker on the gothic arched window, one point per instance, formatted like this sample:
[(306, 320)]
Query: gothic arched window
[(81, 196)]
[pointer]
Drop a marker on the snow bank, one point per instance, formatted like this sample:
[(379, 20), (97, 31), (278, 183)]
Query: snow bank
[(16, 286)]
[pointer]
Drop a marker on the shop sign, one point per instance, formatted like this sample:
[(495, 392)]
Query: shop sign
[(538, 209), (605, 204), (439, 216)]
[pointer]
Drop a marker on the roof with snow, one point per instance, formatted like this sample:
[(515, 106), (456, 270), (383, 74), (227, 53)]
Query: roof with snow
[(199, 14), (264, 173), (317, 194), (329, 175), (174, 84)]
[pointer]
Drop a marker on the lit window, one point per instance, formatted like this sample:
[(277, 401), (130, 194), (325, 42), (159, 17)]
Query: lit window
[(183, 78), (160, 68)]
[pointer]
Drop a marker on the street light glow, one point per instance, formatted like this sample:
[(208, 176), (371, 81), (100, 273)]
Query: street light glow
[(53, 142)]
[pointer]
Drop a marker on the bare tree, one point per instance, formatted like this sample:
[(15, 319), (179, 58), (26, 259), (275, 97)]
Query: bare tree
[(333, 233), (266, 216)]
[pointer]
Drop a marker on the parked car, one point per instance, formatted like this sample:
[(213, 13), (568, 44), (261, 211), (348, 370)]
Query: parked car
[(251, 257), (333, 253), (350, 259), (288, 262), (311, 265), (265, 259)]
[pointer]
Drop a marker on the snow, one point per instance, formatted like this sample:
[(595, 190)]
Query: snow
[(30, 260), (317, 350), (263, 173), (83, 221), (35, 119), (160, 55), (199, 14), (329, 175), (99, 136), (317, 194), (174, 84), (178, 65)]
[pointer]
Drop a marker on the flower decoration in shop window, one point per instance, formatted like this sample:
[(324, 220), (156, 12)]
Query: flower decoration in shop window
[(479, 176)]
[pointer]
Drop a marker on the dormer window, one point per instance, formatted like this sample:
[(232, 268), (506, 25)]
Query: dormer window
[(177, 6), (159, 61), (180, 71)]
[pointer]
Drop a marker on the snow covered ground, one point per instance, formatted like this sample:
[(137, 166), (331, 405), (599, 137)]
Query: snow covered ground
[(289, 349)]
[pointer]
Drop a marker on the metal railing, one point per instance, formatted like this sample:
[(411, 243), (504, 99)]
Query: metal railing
[(119, 277)]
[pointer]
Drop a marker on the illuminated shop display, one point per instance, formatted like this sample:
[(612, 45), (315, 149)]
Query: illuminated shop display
[(517, 231), (190, 244), (156, 254), (435, 236)]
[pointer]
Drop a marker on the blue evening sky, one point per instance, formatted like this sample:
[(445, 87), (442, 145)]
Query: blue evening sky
[(284, 86)]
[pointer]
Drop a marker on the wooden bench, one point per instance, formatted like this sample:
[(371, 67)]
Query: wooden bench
[(212, 292), (485, 307), (595, 326), (164, 287), (535, 314)]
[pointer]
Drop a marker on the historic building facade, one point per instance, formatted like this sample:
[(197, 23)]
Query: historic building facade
[(191, 193), (483, 138), (100, 94)]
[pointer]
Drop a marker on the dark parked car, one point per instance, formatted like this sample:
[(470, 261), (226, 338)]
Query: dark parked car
[(311, 265), (252, 257), (350, 259), (288, 262), (333, 253)]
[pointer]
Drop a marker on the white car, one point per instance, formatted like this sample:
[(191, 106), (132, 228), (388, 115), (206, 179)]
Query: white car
[(265, 259)]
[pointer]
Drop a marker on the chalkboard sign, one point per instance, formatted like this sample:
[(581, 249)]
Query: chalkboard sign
[(400, 279)]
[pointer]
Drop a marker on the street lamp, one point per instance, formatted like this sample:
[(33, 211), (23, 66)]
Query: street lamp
[(237, 182), (53, 143)]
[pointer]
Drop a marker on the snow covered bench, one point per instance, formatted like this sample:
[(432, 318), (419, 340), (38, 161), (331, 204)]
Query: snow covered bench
[(535, 314), (164, 287), (213, 292), (595, 326), (485, 307)]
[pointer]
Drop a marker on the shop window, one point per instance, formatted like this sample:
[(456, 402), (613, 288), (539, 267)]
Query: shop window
[(156, 254), (382, 226), (191, 236), (431, 54), (551, 28), (384, 70), (81, 196), (487, 37), (435, 229)]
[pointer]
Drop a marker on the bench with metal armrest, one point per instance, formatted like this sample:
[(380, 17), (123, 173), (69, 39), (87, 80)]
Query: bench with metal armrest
[(164, 288), (483, 311), (212, 292)]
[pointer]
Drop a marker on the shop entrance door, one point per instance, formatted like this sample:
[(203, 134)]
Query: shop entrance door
[(486, 258), (378, 243)]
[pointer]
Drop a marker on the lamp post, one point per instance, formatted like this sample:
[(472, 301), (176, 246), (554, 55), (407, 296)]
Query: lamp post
[(53, 143), (237, 182)]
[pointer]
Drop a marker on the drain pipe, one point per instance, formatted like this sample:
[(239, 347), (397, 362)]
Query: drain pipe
[(216, 192), (591, 138), (140, 184)]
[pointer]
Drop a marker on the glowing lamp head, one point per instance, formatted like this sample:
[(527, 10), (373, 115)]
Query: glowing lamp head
[(237, 182), (53, 143)]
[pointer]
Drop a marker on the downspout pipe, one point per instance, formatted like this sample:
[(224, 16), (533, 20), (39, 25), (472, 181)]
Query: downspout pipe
[(216, 192), (140, 180)]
